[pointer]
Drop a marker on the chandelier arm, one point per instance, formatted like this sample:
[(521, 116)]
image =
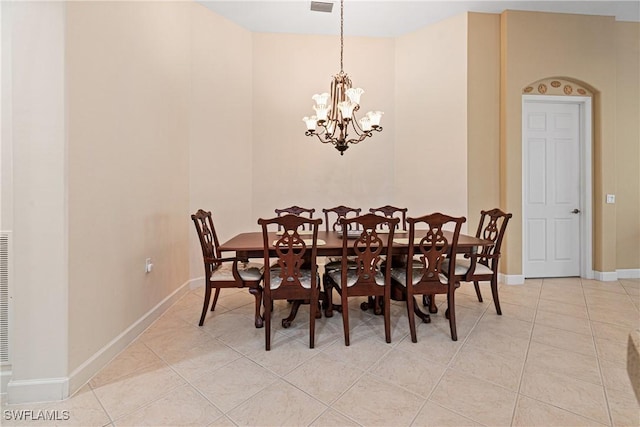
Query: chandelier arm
[(356, 126), (324, 141), (354, 141)]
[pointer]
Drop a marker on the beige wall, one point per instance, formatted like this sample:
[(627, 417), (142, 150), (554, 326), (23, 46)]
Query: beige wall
[(219, 139), (128, 79), (483, 115), (140, 113), (579, 47), (627, 39), (291, 168), (431, 119)]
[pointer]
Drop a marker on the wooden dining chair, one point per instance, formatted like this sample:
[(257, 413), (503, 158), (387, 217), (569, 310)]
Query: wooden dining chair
[(483, 264), (332, 217), (427, 240), (287, 278), (227, 272), (392, 212), (365, 277), (295, 210)]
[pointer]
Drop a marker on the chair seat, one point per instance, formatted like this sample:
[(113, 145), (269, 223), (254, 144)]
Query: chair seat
[(463, 265), (400, 276), (336, 276), (336, 264), (276, 280), (248, 272)]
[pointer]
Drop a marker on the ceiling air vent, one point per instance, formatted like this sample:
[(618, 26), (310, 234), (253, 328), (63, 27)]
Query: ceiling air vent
[(321, 6)]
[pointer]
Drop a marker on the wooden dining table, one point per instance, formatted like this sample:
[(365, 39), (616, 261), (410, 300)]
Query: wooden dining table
[(251, 245)]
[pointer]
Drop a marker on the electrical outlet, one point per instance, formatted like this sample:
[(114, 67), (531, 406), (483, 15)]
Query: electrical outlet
[(611, 198), (148, 265)]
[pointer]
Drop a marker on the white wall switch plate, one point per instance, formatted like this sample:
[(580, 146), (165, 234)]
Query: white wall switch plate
[(611, 198)]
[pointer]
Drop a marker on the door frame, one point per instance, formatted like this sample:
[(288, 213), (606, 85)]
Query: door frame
[(585, 143)]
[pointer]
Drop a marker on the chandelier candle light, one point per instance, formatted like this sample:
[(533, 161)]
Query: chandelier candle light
[(336, 112)]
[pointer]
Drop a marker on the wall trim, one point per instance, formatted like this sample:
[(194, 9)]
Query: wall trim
[(91, 366), (605, 276), (51, 389), (511, 279), (38, 390), (5, 376), (629, 273)]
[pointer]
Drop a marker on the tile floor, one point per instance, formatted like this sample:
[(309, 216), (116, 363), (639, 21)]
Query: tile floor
[(556, 357)]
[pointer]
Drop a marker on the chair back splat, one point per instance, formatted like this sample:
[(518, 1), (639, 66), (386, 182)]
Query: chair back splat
[(294, 275), (219, 272)]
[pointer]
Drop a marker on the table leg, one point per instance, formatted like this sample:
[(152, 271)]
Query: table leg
[(430, 301), (295, 305), (423, 316), (327, 297)]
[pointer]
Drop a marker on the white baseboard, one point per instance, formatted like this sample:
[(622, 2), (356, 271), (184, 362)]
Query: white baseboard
[(511, 279), (5, 376), (51, 389), (91, 366), (629, 273), (38, 390), (605, 276)]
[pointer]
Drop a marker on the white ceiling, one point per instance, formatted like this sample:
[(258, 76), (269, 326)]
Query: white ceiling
[(390, 18)]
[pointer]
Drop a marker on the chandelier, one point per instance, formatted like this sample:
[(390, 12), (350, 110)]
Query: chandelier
[(335, 120)]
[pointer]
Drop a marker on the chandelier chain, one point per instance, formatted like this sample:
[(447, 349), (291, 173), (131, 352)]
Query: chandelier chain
[(341, 34)]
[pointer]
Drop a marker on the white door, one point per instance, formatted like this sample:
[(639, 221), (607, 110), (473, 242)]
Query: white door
[(551, 173)]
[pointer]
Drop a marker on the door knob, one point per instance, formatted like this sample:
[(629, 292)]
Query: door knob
[(575, 211)]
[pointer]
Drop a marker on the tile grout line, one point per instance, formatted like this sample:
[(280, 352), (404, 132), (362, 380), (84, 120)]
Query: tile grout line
[(595, 345), (526, 357), (447, 367)]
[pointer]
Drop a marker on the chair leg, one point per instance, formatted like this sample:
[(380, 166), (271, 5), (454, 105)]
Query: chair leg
[(215, 299), (257, 293), (205, 306), (345, 316), (477, 286), (451, 308), (494, 292), (412, 320), (387, 316), (267, 322), (313, 306)]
